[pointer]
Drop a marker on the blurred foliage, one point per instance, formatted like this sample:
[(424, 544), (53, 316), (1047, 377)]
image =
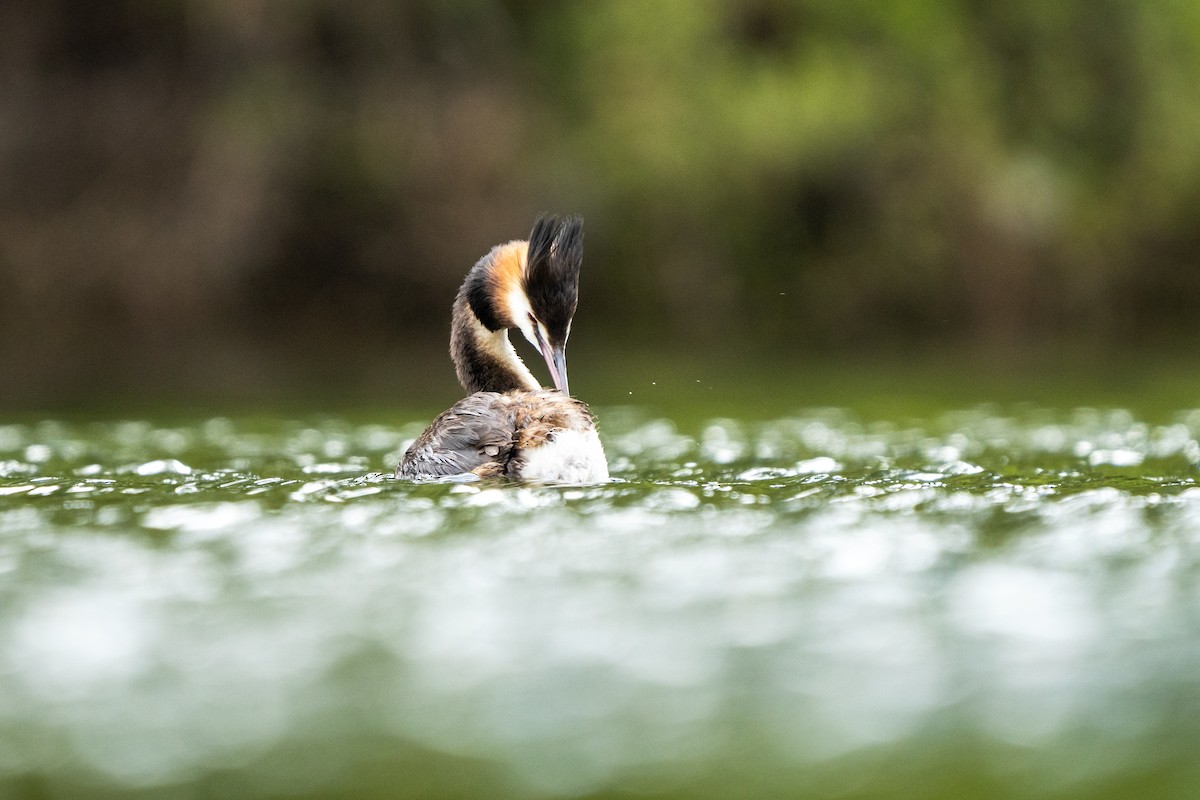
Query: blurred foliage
[(203, 193)]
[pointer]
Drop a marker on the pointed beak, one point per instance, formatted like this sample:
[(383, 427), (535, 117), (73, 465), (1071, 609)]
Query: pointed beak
[(556, 360)]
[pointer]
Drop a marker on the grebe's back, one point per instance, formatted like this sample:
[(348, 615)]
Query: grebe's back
[(508, 426), (530, 436)]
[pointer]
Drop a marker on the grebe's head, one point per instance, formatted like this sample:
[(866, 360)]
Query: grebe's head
[(551, 286), (533, 286)]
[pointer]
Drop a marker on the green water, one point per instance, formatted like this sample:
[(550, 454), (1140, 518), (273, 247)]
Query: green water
[(978, 604)]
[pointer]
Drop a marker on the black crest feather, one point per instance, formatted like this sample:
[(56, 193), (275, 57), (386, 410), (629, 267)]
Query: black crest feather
[(552, 272)]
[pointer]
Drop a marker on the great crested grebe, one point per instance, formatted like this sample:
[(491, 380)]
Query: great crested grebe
[(509, 426)]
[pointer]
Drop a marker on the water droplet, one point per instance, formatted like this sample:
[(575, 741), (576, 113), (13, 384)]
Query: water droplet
[(169, 466)]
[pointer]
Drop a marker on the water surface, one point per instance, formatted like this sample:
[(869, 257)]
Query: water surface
[(983, 603)]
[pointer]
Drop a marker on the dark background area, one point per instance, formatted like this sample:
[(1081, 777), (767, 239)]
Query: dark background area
[(256, 200)]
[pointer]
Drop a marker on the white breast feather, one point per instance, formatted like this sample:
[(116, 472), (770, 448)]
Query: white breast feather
[(570, 457)]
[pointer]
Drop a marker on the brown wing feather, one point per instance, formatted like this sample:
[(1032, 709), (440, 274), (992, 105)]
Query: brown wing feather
[(473, 432), (537, 418), (486, 433)]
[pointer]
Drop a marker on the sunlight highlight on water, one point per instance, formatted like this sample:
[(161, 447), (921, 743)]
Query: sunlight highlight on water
[(1008, 598)]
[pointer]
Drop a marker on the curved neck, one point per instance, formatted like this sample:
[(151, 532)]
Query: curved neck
[(485, 360)]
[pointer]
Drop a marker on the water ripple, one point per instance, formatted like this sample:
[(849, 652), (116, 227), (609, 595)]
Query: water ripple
[(185, 602)]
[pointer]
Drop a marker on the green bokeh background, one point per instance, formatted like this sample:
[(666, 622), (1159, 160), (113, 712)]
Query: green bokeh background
[(218, 202)]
